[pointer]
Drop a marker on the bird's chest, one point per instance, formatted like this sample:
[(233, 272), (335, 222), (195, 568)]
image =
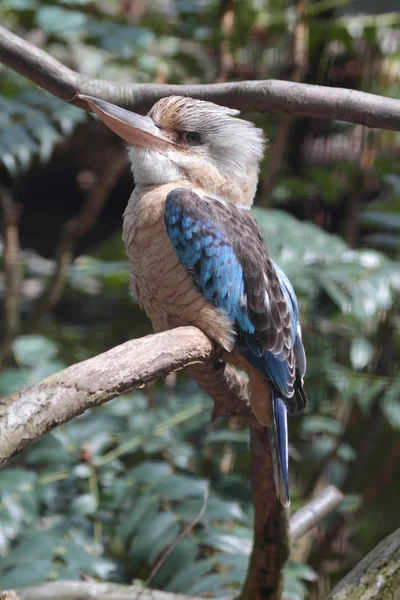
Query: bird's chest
[(160, 282), (155, 272)]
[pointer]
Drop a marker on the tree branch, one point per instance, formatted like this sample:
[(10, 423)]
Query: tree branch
[(271, 541), (312, 513), (28, 414), (92, 590), (300, 67), (251, 96), (73, 230), (12, 272), (376, 577)]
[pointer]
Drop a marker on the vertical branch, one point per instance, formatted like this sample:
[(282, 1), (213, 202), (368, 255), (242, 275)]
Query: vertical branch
[(300, 65), (366, 161), (225, 59), (74, 229), (271, 542), (12, 272)]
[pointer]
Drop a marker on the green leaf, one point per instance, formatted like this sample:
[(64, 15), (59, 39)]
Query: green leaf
[(390, 404), (216, 510), (49, 451), (301, 571), (144, 510), (178, 560), (178, 487), (84, 505), (226, 542), (149, 471), (33, 350), (16, 577), (361, 353), (350, 503), (386, 219), (320, 424), (226, 436), (56, 20), (34, 545), (12, 380), (207, 584), (163, 528), (183, 579)]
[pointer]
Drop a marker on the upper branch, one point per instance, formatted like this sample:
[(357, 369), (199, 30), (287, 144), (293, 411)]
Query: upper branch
[(250, 96), (29, 413)]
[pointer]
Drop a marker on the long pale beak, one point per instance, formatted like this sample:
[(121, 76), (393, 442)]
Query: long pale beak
[(131, 127)]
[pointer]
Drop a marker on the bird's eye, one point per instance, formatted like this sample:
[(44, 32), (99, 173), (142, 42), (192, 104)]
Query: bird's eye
[(192, 137)]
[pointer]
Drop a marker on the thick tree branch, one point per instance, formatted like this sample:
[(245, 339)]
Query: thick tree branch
[(376, 577), (29, 413), (271, 537), (251, 96), (92, 590)]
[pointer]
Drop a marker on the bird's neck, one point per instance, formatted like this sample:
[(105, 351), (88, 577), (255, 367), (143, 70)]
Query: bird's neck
[(238, 193)]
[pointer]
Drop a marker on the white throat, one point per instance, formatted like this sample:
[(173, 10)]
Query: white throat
[(151, 167)]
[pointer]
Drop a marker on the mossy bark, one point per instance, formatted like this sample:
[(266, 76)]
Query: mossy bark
[(376, 577)]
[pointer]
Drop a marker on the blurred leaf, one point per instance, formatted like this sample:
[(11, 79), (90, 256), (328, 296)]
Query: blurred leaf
[(391, 404), (361, 353), (177, 487), (178, 560), (150, 471), (56, 20), (84, 505), (350, 503), (12, 380), (226, 542), (217, 509), (225, 436), (320, 424), (182, 580), (159, 534), (18, 576), (34, 350)]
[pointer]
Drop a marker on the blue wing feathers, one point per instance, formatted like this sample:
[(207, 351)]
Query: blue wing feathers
[(203, 247)]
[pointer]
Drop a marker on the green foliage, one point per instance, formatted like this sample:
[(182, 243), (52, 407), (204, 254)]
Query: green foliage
[(32, 122), (108, 493), (125, 479)]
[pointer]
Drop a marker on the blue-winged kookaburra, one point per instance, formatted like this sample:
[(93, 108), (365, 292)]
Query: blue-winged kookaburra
[(198, 257)]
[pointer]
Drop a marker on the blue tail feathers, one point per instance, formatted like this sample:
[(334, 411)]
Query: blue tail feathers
[(278, 440)]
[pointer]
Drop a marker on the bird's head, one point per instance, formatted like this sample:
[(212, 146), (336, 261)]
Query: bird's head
[(187, 140)]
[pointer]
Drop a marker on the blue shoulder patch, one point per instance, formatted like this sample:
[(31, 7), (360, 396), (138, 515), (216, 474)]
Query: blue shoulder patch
[(203, 248)]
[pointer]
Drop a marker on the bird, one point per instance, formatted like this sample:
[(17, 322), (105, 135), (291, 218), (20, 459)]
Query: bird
[(198, 257)]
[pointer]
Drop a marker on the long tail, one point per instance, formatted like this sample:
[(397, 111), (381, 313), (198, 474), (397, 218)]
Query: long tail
[(278, 441), (270, 411)]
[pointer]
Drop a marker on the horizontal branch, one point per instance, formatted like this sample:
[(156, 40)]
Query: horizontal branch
[(312, 513), (29, 413), (90, 590), (250, 96)]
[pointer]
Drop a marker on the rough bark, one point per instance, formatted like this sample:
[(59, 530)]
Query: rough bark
[(92, 590), (251, 96), (29, 413), (376, 577), (264, 578)]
